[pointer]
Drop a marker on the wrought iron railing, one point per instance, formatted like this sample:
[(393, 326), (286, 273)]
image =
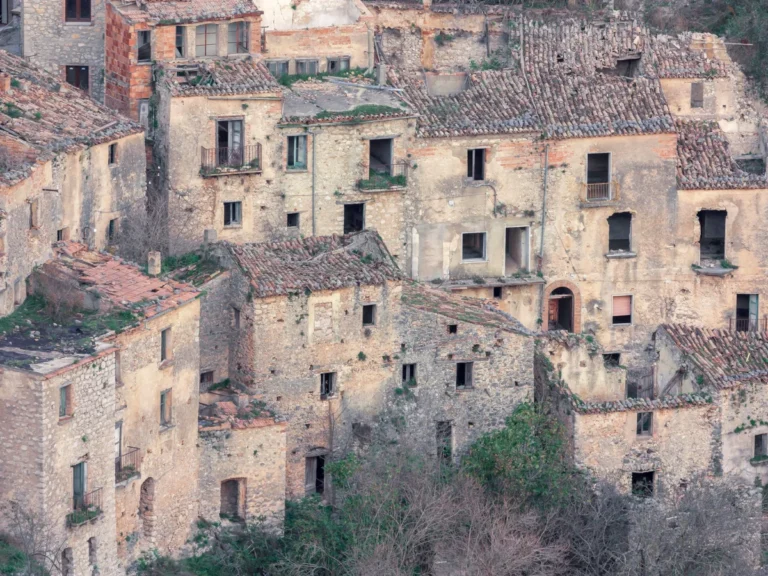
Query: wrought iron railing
[(747, 325), (127, 464), (235, 159), (86, 507), (599, 191), (385, 177)]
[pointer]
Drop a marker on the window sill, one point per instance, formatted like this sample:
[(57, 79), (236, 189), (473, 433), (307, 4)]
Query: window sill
[(331, 397), (233, 227), (610, 202), (478, 261), (718, 271), (621, 325), (644, 436), (66, 419), (296, 170), (166, 427), (464, 388), (147, 63), (78, 22), (620, 255), (166, 364)]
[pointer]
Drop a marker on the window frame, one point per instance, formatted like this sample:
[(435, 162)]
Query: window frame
[(339, 60), (286, 64), (472, 154), (629, 239), (469, 379), (166, 408), (695, 102), (330, 390), (631, 310), (79, 11), (242, 37), (484, 234), (297, 215), (113, 230), (236, 214), (641, 430), (372, 309), (65, 402), (294, 150), (139, 46), (78, 72), (610, 167), (763, 439), (180, 50), (307, 61), (166, 350), (204, 377), (206, 33)]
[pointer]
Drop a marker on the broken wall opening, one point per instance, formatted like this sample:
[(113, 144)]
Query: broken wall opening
[(620, 232), (233, 499), (354, 218), (380, 159), (147, 508), (642, 484)]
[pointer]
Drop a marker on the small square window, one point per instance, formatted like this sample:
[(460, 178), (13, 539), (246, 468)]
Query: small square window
[(144, 46), (166, 407), (611, 360), (165, 345), (65, 401), (761, 446), (642, 484), (453, 328), (644, 423), (498, 292), (206, 378), (327, 385), (78, 76), (112, 154), (62, 235), (409, 375), (293, 220), (369, 314), (464, 375), (622, 310), (233, 213), (235, 318), (473, 246), (354, 218)]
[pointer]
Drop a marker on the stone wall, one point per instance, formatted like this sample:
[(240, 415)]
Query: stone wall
[(215, 328), (353, 41)]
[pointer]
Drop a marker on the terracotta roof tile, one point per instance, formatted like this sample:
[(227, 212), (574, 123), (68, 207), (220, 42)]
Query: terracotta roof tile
[(178, 11), (641, 404), (222, 76), (676, 57)]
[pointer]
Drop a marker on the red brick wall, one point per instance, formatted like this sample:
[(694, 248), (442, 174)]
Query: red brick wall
[(117, 61)]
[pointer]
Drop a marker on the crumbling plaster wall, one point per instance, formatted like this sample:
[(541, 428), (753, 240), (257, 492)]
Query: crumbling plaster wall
[(309, 14), (744, 413), (720, 99), (216, 318)]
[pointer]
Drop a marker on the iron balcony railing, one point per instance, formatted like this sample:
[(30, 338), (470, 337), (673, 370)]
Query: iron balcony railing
[(747, 325), (385, 177), (599, 191), (236, 159), (127, 464), (86, 507)]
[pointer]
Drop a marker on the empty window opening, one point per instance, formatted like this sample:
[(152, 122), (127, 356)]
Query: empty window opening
[(464, 375), (229, 143), (622, 310), (642, 484), (314, 475), (112, 154), (625, 67), (206, 40), (697, 95), (641, 387), (306, 67), (476, 164), (92, 557), (598, 176), (237, 38), (278, 68), (235, 318), (444, 437), (65, 401), (292, 220), (113, 230), (147, 508), (498, 292), (453, 328), (327, 385), (144, 46), (409, 375), (77, 11), (560, 311), (712, 241), (206, 378), (611, 360), (62, 234), (380, 158), (78, 77), (369, 314), (67, 562), (516, 250), (620, 232), (354, 218), (297, 153), (233, 499), (761, 446), (473, 246), (180, 48), (165, 344), (746, 312), (233, 213), (644, 423), (338, 64), (166, 407)]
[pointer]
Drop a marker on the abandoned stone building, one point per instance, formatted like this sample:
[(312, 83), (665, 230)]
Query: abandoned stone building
[(70, 169)]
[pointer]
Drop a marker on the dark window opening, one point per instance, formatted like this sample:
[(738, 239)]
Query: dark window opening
[(292, 220), (113, 230), (235, 318), (327, 385), (712, 240), (640, 387), (306, 67), (626, 67), (77, 76), (746, 312), (145, 46), (5, 10), (92, 556), (598, 168), (314, 475), (232, 505), (62, 234), (369, 314), (444, 437), (381, 158), (619, 232), (761, 445), (560, 312), (644, 423), (622, 310), (206, 378), (516, 250), (229, 143), (611, 360), (464, 375), (237, 38), (354, 218), (278, 68), (338, 64), (166, 408), (112, 154), (79, 483), (65, 401), (697, 95), (233, 213), (752, 165), (179, 41), (476, 164), (473, 246), (498, 292), (642, 484), (77, 11), (165, 344), (409, 375), (297, 153), (453, 328)]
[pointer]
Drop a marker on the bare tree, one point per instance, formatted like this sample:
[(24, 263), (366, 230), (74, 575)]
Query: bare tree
[(36, 538)]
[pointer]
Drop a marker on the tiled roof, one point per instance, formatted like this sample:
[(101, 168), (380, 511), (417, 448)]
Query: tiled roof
[(723, 358), (472, 310), (641, 404), (676, 57), (704, 161), (316, 263), (51, 116), (560, 105), (222, 76), (179, 11)]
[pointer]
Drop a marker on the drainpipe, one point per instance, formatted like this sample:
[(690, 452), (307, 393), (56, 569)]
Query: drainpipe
[(313, 183), (543, 221)]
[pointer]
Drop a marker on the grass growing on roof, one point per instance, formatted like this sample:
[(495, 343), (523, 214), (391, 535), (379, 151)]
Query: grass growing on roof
[(362, 110)]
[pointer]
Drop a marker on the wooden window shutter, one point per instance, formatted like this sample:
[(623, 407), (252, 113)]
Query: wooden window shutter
[(622, 305)]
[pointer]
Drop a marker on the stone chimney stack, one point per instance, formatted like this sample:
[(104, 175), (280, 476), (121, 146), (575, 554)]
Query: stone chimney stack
[(154, 263)]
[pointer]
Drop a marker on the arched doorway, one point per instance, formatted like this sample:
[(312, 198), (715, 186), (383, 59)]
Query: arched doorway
[(147, 508), (560, 308)]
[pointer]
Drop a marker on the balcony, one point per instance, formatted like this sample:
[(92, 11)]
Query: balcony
[(227, 161), (86, 507), (385, 177), (598, 191), (127, 465)]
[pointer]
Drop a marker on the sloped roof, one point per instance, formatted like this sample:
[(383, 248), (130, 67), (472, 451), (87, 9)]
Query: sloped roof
[(723, 358), (51, 116), (221, 76), (642, 404), (316, 263), (682, 57), (704, 161), (180, 11)]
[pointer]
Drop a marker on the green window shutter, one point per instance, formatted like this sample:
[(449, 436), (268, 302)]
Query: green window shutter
[(62, 402)]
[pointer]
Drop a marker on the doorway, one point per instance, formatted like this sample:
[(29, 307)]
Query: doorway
[(516, 250), (233, 499), (561, 310), (314, 474), (229, 143), (354, 218)]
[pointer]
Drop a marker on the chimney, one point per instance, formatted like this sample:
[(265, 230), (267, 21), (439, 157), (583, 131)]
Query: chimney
[(154, 263), (5, 83)]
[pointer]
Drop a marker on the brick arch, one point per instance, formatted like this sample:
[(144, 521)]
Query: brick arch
[(576, 304)]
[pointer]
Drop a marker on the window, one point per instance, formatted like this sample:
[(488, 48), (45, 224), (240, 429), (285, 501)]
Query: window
[(338, 64), (206, 40), (314, 475), (712, 241), (642, 484), (206, 378), (34, 214), (237, 38), (327, 385), (77, 76), (118, 369), (233, 499), (516, 250), (113, 154), (354, 218), (233, 213), (144, 44), (476, 164), (611, 360), (113, 230), (453, 328), (498, 292), (444, 437), (77, 11), (92, 557), (747, 306), (166, 407), (5, 11), (473, 246), (165, 345), (65, 401), (761, 446), (235, 318), (297, 153), (622, 310), (229, 143), (464, 375), (293, 220), (62, 235), (697, 95), (79, 483), (306, 67), (179, 42), (598, 176), (619, 232), (409, 375), (644, 423), (369, 314), (278, 68)]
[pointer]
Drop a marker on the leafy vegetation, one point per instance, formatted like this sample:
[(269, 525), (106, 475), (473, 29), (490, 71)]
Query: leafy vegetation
[(362, 110)]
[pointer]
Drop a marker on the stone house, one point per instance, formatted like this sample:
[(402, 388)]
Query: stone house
[(70, 169), (332, 338)]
